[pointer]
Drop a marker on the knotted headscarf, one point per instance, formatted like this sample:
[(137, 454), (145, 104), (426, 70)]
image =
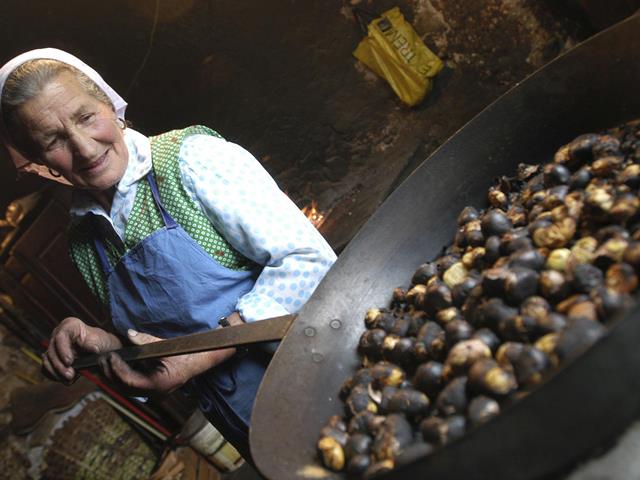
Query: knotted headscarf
[(53, 54)]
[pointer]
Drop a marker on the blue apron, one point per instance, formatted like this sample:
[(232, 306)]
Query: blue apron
[(167, 286)]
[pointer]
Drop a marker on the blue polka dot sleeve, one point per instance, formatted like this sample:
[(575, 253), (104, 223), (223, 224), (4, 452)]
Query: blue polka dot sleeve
[(246, 206)]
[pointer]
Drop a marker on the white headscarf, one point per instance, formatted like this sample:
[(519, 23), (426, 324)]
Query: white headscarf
[(54, 54)]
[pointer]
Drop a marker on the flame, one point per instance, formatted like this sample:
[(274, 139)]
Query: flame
[(315, 216)]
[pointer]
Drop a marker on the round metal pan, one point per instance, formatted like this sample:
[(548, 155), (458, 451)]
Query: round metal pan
[(592, 87)]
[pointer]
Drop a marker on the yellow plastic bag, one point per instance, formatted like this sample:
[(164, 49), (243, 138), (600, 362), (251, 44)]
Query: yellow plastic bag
[(394, 51)]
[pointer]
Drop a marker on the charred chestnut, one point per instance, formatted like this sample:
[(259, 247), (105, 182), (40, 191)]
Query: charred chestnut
[(494, 312), (455, 274), (486, 336), (586, 277), (527, 258), (580, 334), (456, 331), (467, 215), (403, 351), (331, 453), (497, 198), (555, 174), (553, 285), (462, 355), (492, 249), (461, 291), (394, 435), (482, 409), (357, 444), (606, 166), (495, 222), (385, 373), (625, 207), (453, 397), (409, 402), (359, 400), (437, 297), (630, 176), (424, 273), (441, 431), (486, 376), (358, 464), (621, 278), (519, 284), (558, 259), (580, 179), (430, 342), (610, 252), (364, 422), (608, 302), (428, 378), (371, 342), (583, 250), (632, 254)]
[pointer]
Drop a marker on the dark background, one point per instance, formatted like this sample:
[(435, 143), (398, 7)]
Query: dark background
[(279, 78)]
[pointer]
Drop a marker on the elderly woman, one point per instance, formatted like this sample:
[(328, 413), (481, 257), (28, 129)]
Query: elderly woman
[(176, 233)]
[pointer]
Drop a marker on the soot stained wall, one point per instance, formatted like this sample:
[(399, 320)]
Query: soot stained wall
[(279, 78)]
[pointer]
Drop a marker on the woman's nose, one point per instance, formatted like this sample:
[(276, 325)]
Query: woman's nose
[(82, 144)]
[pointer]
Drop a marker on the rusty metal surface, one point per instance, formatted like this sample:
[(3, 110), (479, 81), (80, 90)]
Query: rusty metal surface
[(245, 334), (592, 87)]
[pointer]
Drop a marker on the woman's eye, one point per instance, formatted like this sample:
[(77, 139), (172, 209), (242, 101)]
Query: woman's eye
[(53, 144), (87, 118)]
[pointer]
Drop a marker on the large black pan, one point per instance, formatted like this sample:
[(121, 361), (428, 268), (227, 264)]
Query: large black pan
[(594, 86)]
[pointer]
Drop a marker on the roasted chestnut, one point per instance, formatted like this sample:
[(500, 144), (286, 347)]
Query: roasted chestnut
[(553, 285), (520, 283), (482, 409), (453, 397), (462, 355), (371, 342), (621, 278), (430, 342), (456, 331), (393, 436), (577, 337), (555, 174), (487, 377), (428, 378), (585, 277), (331, 453), (424, 273), (495, 222), (468, 214), (358, 464), (409, 402), (441, 431), (359, 400)]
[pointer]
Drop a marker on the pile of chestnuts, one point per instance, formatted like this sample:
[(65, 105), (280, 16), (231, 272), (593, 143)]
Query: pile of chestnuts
[(528, 283)]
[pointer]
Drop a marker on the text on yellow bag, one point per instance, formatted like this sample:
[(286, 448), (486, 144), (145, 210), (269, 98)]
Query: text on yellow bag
[(394, 51)]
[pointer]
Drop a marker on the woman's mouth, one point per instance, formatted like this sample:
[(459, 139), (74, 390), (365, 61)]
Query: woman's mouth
[(96, 164)]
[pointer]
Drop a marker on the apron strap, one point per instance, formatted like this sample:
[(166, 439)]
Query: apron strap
[(169, 222), (102, 254)]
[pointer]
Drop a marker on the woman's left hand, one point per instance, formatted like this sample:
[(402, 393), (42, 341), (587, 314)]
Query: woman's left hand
[(163, 375)]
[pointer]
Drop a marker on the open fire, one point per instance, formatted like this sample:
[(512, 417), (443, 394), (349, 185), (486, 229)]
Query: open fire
[(313, 214)]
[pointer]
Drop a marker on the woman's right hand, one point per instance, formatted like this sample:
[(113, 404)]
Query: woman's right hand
[(70, 339)]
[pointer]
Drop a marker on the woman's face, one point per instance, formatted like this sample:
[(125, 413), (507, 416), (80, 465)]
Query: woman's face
[(72, 132)]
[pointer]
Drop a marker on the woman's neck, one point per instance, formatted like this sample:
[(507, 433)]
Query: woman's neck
[(104, 197)]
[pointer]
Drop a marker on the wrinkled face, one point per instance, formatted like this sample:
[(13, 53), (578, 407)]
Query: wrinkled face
[(72, 132)]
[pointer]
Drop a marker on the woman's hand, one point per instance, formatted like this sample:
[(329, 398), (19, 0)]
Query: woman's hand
[(68, 340), (163, 375)]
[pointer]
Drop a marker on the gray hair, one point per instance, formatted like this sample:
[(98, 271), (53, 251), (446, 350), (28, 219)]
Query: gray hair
[(29, 79)]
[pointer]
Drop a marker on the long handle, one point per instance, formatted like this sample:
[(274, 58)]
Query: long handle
[(245, 334)]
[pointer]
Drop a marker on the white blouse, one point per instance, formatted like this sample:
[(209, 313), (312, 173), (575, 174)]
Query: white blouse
[(247, 208)]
